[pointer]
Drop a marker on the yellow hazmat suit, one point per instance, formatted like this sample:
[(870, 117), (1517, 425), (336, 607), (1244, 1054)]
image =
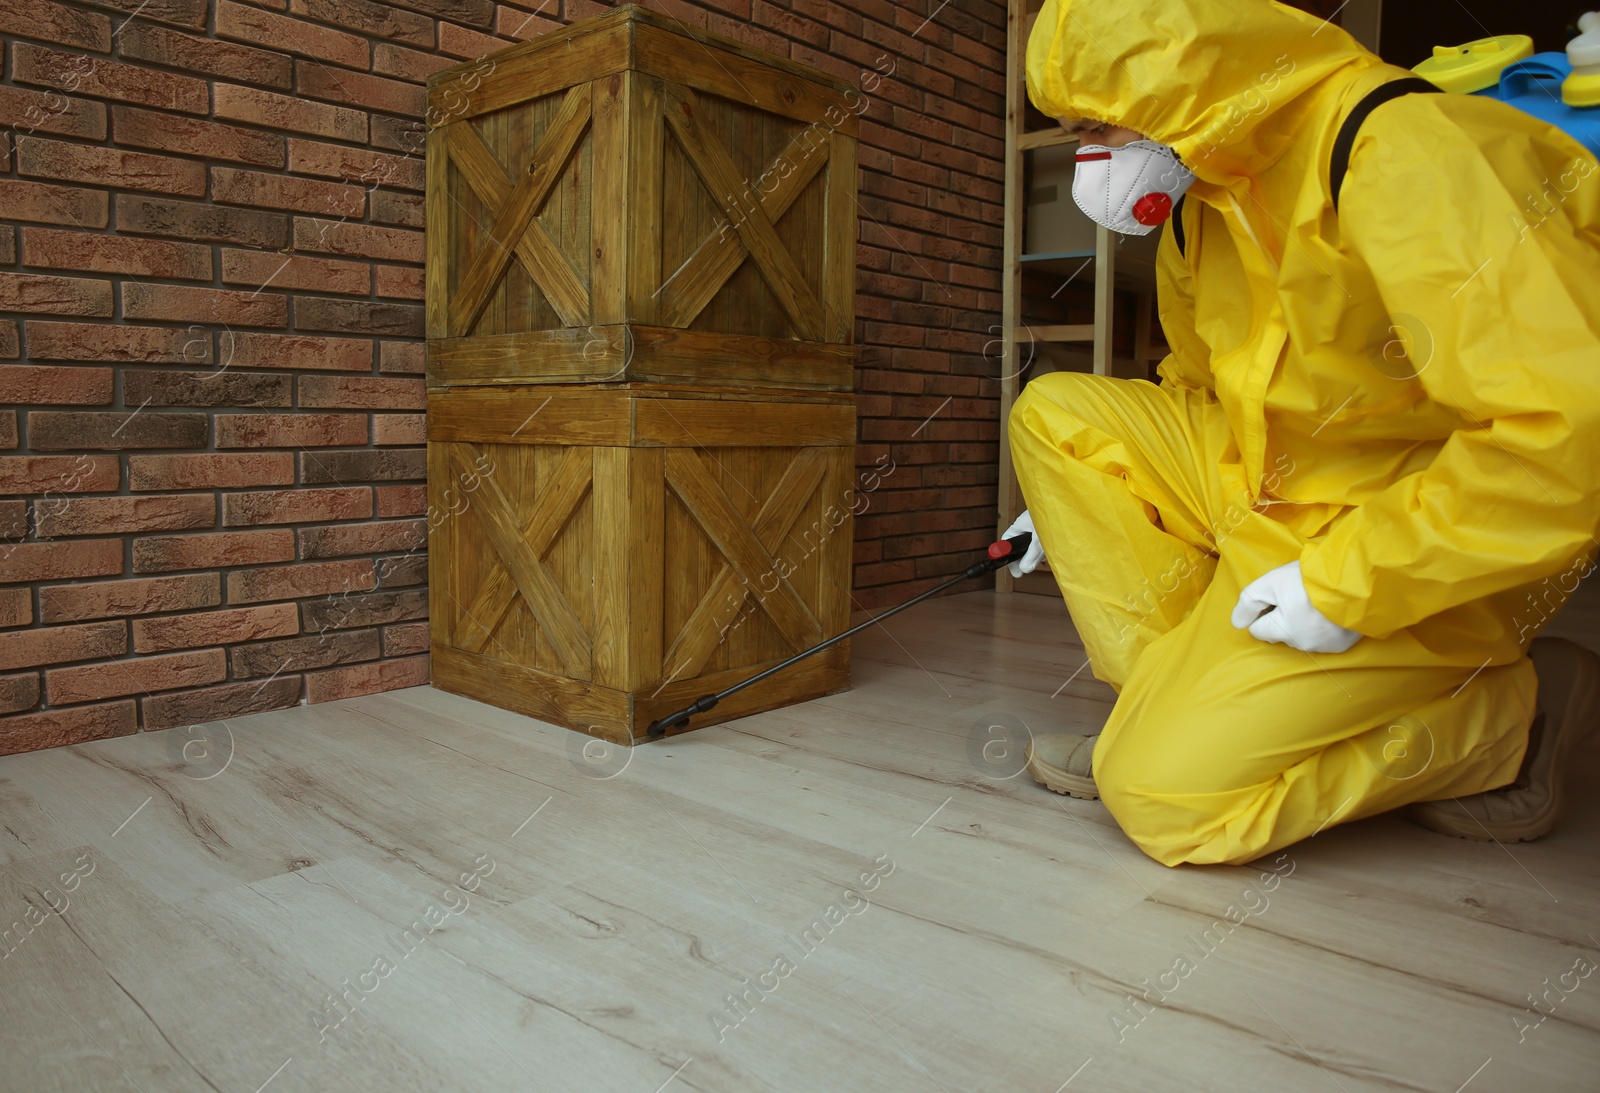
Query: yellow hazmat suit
[(1404, 394)]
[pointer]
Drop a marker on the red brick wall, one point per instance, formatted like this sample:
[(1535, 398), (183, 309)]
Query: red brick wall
[(211, 497)]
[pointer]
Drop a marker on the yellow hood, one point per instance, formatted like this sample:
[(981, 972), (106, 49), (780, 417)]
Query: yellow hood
[(1223, 82), (1411, 379)]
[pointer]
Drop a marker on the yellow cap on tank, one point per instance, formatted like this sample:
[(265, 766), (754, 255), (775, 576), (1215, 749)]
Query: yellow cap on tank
[(1476, 65)]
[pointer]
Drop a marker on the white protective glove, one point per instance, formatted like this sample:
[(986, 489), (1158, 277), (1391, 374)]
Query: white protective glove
[(1034, 554), (1293, 620)]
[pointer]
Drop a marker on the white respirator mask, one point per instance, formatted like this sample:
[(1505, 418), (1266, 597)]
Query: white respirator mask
[(1131, 189)]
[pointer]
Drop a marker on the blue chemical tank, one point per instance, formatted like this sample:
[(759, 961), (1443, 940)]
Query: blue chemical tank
[(1560, 88), (1534, 86)]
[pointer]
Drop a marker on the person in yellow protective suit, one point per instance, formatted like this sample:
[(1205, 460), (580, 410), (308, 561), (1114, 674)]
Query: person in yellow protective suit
[(1312, 559)]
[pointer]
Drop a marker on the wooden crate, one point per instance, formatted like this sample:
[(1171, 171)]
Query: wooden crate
[(602, 555), (628, 199)]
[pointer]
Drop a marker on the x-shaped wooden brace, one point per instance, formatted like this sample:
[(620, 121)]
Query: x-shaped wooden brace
[(520, 547), (693, 285), (699, 637), (752, 222), (515, 208), (748, 552)]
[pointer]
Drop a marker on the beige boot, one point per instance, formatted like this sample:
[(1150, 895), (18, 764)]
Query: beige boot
[(1060, 761), (1569, 711)]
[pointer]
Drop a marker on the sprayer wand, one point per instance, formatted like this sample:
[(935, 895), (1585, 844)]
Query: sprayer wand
[(999, 554)]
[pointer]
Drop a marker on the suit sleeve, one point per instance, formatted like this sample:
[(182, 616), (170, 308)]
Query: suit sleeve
[(1188, 362), (1437, 206)]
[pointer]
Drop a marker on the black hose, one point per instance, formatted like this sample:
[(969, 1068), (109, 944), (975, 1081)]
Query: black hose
[(999, 554)]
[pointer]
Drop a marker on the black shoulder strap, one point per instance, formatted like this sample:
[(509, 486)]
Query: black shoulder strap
[(1340, 161), (1177, 225)]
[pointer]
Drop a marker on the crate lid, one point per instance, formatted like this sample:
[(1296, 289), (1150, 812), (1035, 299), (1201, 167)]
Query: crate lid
[(626, 14)]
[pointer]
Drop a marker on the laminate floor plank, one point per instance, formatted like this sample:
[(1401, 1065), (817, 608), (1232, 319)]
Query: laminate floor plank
[(416, 891)]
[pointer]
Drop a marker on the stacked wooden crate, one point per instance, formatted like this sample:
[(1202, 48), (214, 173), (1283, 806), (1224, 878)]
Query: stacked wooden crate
[(641, 426)]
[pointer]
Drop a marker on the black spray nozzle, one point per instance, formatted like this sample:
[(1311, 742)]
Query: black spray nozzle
[(658, 728)]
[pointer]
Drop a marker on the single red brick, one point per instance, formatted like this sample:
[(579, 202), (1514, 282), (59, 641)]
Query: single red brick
[(273, 270), (406, 357), (289, 582), (351, 611), (208, 704), (402, 281), (270, 658), (357, 165), (108, 342), (363, 465), (8, 429), (55, 295), (232, 186), (180, 303), (365, 679), (359, 89), (141, 596), (50, 204), (183, 13), (19, 692), (359, 240), (298, 351), (192, 136), (362, 392), (169, 552), (101, 253), (408, 64), (208, 387), (108, 167), (201, 220), (16, 604), (43, 111), (300, 506), (278, 620), (402, 500), (170, 671), (10, 346), (210, 471), (376, 20), (468, 44), (409, 136), (274, 111), (52, 474), (358, 316), (13, 524), (290, 430), (103, 79), (342, 540), (402, 570), (291, 35), (68, 430), (388, 207), (399, 428), (57, 644), (523, 26), (192, 53), (108, 515), (58, 728), (55, 23), (44, 385), (61, 561), (405, 639)]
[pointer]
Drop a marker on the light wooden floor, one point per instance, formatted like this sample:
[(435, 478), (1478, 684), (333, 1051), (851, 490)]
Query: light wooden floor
[(204, 921)]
